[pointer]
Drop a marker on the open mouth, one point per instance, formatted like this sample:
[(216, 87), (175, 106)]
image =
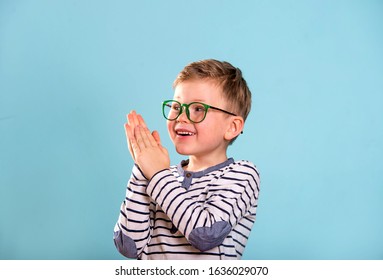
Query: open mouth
[(184, 133)]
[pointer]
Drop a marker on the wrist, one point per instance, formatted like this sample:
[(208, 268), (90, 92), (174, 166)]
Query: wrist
[(153, 173), (152, 183), (138, 173)]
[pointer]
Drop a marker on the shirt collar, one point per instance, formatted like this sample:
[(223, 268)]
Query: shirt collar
[(201, 173)]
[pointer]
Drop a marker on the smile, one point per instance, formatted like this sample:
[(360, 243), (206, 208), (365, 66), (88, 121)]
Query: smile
[(184, 133)]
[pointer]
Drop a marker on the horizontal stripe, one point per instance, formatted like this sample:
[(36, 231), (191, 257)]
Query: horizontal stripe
[(169, 244), (188, 253), (137, 202), (133, 230), (137, 212), (242, 225), (167, 236), (150, 212), (142, 193), (138, 221)]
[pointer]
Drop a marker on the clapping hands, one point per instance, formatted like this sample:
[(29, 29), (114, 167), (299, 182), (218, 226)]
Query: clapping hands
[(145, 147)]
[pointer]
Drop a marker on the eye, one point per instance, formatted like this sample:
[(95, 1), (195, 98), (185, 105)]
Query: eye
[(198, 108), (175, 106)]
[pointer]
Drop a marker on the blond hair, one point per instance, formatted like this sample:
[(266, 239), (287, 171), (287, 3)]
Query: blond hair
[(234, 86)]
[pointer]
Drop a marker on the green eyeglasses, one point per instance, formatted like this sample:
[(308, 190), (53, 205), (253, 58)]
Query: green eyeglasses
[(195, 111)]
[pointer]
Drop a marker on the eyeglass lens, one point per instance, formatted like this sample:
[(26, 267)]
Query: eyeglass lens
[(195, 111)]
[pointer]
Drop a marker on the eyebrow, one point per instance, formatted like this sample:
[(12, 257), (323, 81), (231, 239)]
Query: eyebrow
[(194, 100)]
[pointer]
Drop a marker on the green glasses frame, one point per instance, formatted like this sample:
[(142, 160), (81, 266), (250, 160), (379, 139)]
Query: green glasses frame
[(166, 104)]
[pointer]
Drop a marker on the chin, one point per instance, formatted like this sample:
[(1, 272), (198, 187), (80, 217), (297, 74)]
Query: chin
[(183, 152)]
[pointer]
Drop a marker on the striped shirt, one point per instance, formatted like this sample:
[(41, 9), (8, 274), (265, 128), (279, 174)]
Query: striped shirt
[(189, 215)]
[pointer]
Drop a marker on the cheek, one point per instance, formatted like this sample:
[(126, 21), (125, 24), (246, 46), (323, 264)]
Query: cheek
[(212, 129), (169, 125)]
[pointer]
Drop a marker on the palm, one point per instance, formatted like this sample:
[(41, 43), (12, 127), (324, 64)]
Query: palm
[(145, 147)]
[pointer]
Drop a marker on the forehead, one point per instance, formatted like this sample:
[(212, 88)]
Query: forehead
[(199, 90)]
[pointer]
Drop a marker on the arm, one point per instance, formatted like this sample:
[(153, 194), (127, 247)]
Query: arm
[(132, 230), (204, 223), (207, 223)]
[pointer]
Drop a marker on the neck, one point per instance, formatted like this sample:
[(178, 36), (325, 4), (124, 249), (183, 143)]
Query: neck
[(198, 164)]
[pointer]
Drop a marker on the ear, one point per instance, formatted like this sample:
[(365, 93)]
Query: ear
[(235, 128)]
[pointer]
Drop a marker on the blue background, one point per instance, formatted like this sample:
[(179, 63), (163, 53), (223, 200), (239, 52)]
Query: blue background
[(70, 71)]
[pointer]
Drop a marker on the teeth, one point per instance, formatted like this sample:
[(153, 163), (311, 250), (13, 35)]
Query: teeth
[(185, 133)]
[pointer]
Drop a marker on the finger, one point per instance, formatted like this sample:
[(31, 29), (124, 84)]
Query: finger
[(147, 138), (135, 118), (140, 137), (156, 137), (128, 131), (129, 125), (151, 139), (141, 121), (134, 144), (128, 116), (132, 119), (129, 134)]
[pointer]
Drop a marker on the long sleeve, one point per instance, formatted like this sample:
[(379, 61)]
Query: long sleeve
[(132, 230), (206, 214)]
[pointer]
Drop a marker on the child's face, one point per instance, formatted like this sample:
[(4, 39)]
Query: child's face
[(206, 138)]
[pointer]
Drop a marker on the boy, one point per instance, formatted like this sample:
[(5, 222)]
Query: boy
[(204, 207)]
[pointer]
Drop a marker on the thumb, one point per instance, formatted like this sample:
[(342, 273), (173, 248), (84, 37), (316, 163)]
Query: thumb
[(156, 137)]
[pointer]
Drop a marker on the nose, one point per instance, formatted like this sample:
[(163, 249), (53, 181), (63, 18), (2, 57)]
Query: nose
[(182, 117)]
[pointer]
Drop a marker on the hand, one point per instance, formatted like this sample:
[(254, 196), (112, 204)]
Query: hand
[(145, 147), (134, 120), (149, 154)]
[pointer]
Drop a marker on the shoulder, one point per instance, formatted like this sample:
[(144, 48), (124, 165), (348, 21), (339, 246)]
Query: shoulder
[(245, 166), (244, 173)]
